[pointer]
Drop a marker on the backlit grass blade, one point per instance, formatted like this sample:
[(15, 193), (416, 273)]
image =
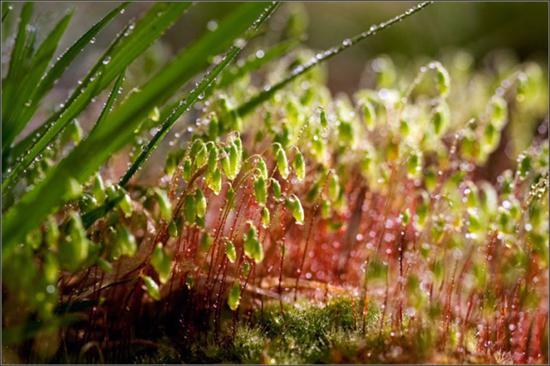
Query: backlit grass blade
[(85, 90), (17, 56), (185, 104), (112, 134), (25, 90), (255, 62), (175, 111), (268, 92), (6, 9), (117, 88), (209, 45), (35, 142), (115, 92), (129, 46), (47, 81)]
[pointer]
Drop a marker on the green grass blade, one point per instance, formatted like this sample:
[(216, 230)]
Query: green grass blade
[(20, 41), (6, 9), (171, 113), (129, 45), (110, 136), (25, 151), (189, 62), (16, 59), (47, 81), (86, 91), (186, 64), (117, 88), (299, 70), (25, 91), (254, 63), (115, 92), (186, 103)]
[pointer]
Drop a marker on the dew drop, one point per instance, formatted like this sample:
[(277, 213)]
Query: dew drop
[(212, 25), (239, 43)]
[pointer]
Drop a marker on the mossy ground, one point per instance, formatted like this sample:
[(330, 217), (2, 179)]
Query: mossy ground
[(302, 332)]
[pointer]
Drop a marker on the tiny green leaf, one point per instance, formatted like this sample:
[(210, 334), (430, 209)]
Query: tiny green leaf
[(187, 169), (200, 203), (173, 229), (73, 250), (212, 158), (369, 114), (282, 162), (162, 263), (299, 166), (295, 207), (164, 204), (262, 167), (206, 242), (214, 181), (151, 287), (98, 188), (234, 297), (333, 187), (276, 188), (189, 209), (230, 251), (252, 246), (260, 190), (125, 242), (199, 153), (266, 217)]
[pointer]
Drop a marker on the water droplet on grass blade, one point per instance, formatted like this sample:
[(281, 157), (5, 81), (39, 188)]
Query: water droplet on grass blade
[(239, 43), (212, 25)]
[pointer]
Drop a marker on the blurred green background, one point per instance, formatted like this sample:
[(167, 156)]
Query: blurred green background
[(477, 27)]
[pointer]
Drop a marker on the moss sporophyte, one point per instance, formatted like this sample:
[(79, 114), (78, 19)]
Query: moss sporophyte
[(257, 217)]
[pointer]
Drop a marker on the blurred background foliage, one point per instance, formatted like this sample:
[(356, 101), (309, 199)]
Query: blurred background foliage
[(490, 37), (478, 28)]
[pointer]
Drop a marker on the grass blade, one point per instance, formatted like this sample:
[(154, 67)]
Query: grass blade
[(17, 58), (110, 136), (186, 103), (267, 93), (24, 93), (47, 81), (6, 9), (117, 90), (128, 46), (86, 90), (175, 111), (254, 63)]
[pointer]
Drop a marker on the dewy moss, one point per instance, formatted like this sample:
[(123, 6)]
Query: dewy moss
[(287, 227)]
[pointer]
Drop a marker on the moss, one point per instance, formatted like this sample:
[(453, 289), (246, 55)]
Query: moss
[(301, 333)]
